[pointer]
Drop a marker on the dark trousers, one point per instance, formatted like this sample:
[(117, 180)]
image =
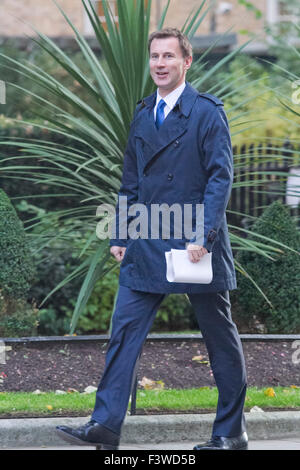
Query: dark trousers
[(132, 319)]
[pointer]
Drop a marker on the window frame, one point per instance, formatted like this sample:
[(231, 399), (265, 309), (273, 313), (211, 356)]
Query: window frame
[(274, 17)]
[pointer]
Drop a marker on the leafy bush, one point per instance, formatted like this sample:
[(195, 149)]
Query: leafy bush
[(16, 105), (175, 312), (266, 118), (55, 267), (21, 321), (55, 262), (279, 279), (10, 132), (97, 313), (16, 274)]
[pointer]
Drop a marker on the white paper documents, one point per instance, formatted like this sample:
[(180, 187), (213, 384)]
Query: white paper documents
[(181, 269)]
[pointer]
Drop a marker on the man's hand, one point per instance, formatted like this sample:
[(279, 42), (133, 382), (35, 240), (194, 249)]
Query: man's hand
[(195, 252), (118, 252)]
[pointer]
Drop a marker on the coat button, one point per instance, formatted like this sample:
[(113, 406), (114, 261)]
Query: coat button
[(145, 173), (212, 235), (176, 143), (170, 176)]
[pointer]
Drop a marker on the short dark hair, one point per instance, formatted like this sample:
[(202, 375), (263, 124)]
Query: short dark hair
[(185, 45)]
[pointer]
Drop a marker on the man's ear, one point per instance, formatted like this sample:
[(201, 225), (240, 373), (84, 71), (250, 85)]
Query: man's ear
[(188, 62)]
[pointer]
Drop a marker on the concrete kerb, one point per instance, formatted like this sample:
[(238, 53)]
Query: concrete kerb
[(38, 432)]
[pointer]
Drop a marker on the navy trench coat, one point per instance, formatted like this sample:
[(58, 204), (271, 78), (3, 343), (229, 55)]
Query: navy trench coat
[(188, 160)]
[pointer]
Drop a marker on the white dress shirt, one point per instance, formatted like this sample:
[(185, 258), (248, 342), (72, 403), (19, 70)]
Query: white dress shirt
[(170, 100)]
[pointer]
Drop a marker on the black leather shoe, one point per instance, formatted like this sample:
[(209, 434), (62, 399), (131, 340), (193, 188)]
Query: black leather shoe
[(90, 434), (225, 443)]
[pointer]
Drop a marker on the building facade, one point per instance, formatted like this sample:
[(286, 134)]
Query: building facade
[(17, 17)]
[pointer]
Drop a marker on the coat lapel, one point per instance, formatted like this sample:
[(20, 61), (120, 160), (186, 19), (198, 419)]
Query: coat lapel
[(174, 126)]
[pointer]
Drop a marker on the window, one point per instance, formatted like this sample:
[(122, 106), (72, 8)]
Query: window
[(283, 14), (286, 11)]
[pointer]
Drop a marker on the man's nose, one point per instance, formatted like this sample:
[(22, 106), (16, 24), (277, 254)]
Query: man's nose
[(161, 62)]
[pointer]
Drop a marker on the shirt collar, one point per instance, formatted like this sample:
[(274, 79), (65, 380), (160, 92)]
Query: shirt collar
[(172, 97)]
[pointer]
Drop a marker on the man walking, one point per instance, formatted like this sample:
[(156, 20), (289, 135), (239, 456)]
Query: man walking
[(179, 151)]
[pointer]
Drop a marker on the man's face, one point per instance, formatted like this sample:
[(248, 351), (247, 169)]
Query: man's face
[(167, 65)]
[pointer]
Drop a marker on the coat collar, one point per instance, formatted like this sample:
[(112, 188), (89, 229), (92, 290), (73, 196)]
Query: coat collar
[(185, 101)]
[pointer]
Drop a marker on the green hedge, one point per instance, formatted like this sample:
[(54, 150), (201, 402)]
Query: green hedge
[(17, 273), (279, 279), (17, 269)]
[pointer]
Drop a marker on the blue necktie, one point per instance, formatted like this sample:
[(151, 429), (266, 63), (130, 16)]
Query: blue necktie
[(160, 114)]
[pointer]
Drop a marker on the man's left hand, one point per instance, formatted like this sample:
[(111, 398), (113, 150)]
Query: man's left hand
[(195, 252)]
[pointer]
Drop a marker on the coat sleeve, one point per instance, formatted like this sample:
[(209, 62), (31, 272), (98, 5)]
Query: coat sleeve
[(128, 193), (218, 163)]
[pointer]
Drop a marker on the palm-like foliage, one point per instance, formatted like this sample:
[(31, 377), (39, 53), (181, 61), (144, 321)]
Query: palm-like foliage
[(100, 125)]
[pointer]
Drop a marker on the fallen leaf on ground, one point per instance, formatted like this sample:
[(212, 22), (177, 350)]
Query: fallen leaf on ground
[(149, 384), (270, 392), (199, 360)]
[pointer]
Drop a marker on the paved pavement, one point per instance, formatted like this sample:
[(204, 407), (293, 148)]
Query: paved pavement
[(282, 444)]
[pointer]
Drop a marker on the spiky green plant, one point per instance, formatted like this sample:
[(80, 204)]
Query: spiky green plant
[(101, 124)]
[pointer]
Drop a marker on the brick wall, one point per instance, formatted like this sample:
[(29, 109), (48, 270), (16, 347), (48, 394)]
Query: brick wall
[(42, 14), (242, 19), (45, 16), (239, 17)]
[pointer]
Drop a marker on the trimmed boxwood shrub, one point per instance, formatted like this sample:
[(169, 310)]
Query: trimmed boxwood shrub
[(279, 279), (16, 274)]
